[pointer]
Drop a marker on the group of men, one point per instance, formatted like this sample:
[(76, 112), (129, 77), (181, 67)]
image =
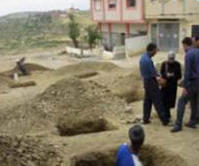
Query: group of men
[(160, 91), (161, 88)]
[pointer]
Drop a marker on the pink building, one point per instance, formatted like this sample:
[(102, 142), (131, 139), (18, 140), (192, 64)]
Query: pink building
[(118, 20)]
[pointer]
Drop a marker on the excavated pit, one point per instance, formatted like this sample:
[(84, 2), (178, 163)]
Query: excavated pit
[(21, 151), (149, 155), (71, 105)]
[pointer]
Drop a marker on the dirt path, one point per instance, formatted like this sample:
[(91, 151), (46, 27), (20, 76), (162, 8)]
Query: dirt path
[(185, 144)]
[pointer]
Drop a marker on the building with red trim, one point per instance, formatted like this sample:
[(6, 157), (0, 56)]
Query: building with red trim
[(164, 22), (118, 20)]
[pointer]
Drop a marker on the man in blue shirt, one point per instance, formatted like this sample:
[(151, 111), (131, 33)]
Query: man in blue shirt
[(191, 86), (151, 86), (127, 154)]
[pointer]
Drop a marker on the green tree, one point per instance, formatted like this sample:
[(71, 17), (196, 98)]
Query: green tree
[(93, 35), (74, 30)]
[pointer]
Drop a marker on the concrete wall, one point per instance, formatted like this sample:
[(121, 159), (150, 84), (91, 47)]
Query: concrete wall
[(135, 29), (135, 13), (136, 45), (112, 15), (172, 9)]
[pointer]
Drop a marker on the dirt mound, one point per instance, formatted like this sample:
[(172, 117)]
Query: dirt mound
[(72, 105), (88, 107), (88, 66), (149, 155), (87, 74), (124, 85), (35, 67), (5, 82), (30, 67), (121, 82), (17, 151), (23, 84), (128, 87)]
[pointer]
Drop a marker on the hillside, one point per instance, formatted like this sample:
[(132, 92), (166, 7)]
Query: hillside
[(20, 32)]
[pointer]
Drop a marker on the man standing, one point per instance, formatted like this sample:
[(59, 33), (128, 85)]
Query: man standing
[(196, 44), (152, 91), (191, 86), (171, 72)]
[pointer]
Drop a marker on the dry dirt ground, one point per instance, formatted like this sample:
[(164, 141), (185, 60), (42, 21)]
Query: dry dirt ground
[(184, 144)]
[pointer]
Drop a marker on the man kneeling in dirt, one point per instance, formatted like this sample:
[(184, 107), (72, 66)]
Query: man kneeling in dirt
[(127, 154), (21, 67)]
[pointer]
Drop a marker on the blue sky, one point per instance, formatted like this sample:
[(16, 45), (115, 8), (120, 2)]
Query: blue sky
[(12, 6)]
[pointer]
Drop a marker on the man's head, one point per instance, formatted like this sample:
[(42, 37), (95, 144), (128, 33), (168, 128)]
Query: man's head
[(187, 43), (137, 137), (171, 56), (196, 41), (152, 49)]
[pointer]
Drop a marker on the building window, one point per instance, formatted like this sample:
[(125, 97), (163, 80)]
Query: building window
[(195, 30), (98, 4), (112, 4), (131, 3)]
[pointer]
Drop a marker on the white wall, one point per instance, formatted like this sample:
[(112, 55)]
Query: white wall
[(136, 45)]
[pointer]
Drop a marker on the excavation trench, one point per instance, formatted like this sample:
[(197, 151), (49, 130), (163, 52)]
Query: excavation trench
[(149, 155)]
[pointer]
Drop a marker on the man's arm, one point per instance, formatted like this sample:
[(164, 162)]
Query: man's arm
[(153, 70), (179, 71), (187, 73)]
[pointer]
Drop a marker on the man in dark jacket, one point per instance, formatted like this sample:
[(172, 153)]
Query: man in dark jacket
[(171, 72), (191, 88), (151, 86)]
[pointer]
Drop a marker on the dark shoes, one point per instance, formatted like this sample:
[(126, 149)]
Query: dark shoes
[(176, 129), (190, 125), (166, 123), (145, 122)]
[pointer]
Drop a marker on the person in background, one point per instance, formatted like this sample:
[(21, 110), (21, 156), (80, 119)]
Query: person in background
[(171, 72), (151, 86), (191, 88), (128, 154), (21, 66), (195, 41)]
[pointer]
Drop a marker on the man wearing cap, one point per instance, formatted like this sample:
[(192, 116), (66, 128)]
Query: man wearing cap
[(128, 153), (171, 72)]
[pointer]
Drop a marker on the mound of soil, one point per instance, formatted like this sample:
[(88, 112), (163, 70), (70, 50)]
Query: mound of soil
[(87, 74), (17, 151), (121, 82), (30, 67), (72, 105), (149, 155), (5, 82), (23, 84), (124, 85), (88, 66)]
